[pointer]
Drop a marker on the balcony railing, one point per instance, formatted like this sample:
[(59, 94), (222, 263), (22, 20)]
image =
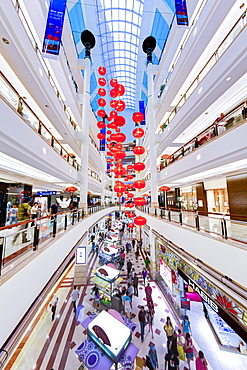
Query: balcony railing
[(42, 60), (12, 97), (235, 117), (230, 37), (17, 239), (225, 226)]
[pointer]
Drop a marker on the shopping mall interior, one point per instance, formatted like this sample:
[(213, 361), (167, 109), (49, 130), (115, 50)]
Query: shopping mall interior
[(123, 154)]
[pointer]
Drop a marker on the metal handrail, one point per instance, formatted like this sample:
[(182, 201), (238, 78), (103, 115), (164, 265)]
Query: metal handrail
[(5, 355)]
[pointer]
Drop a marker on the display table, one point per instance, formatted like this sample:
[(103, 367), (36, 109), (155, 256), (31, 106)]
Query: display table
[(96, 356)]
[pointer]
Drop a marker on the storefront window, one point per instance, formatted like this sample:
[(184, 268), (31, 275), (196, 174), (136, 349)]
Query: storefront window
[(188, 198)]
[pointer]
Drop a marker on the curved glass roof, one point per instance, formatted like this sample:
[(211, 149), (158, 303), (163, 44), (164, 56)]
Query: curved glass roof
[(119, 24)]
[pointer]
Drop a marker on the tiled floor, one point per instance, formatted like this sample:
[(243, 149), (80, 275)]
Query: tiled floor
[(51, 345)]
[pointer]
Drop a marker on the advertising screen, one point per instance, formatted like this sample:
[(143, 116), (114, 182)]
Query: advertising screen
[(81, 255), (166, 274)]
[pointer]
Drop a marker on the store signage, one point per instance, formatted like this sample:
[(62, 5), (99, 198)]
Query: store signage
[(54, 28), (81, 255), (181, 13), (166, 274), (46, 193), (199, 291), (185, 303)]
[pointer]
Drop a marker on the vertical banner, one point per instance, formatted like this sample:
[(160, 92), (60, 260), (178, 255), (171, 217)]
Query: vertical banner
[(54, 28), (102, 142), (181, 13), (142, 110)]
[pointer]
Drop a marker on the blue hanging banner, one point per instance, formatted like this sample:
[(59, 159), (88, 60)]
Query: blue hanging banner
[(181, 13), (54, 28), (102, 142), (142, 110)]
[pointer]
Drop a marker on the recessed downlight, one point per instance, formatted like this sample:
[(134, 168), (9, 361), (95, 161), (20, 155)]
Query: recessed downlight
[(228, 78), (5, 40), (46, 105)]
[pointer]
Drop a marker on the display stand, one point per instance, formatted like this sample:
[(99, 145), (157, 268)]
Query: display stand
[(106, 283)]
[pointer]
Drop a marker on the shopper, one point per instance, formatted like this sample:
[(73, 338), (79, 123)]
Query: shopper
[(54, 210), (144, 275), (152, 354), (23, 215), (142, 320), (147, 261), (201, 362), (186, 325), (180, 345), (53, 306), (173, 344), (189, 349), (34, 212), (74, 297), (171, 361), (130, 291), (148, 291), (135, 284), (168, 327), (150, 321), (133, 244), (13, 215), (127, 305), (129, 266)]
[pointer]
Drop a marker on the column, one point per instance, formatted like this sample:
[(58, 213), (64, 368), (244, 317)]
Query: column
[(103, 180), (85, 136), (152, 254), (152, 140), (113, 184)]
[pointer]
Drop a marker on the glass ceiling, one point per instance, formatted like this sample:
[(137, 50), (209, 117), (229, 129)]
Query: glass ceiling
[(119, 24)]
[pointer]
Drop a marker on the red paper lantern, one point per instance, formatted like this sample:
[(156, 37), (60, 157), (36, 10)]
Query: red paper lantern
[(139, 184), (113, 93), (119, 171), (130, 177), (140, 221), (139, 150), (101, 102), (119, 195), (164, 188), (102, 81), (138, 117), (120, 89), (119, 154), (113, 103), (112, 125), (140, 201), (139, 166), (138, 132), (130, 167), (119, 188), (101, 136), (101, 91), (101, 125), (118, 129), (113, 82), (101, 70), (131, 205), (109, 160), (113, 114), (131, 214), (108, 132), (131, 195), (109, 119), (131, 225), (101, 113), (119, 182), (109, 154), (119, 138), (119, 121), (119, 146), (71, 189), (111, 164), (120, 106)]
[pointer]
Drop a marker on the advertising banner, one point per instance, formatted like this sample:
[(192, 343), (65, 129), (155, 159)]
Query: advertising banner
[(181, 13), (54, 28)]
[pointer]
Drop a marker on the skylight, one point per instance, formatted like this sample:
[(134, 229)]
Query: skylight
[(119, 23)]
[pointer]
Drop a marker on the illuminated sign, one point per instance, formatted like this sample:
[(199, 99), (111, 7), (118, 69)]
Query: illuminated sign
[(81, 255), (166, 273), (181, 13), (46, 193), (203, 295)]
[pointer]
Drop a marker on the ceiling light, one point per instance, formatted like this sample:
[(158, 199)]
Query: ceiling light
[(228, 78), (5, 41), (46, 105), (44, 150)]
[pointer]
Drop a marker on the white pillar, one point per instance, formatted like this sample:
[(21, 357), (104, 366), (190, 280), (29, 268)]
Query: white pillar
[(113, 184), (152, 254), (103, 180), (152, 140), (85, 136)]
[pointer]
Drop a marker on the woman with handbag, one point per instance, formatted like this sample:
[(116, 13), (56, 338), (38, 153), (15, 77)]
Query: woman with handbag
[(180, 346), (189, 349)]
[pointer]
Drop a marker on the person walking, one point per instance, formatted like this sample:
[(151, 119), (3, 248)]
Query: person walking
[(13, 215), (53, 306), (127, 305), (129, 266), (54, 210), (152, 354), (189, 349), (172, 361), (130, 291), (180, 345), (201, 362), (23, 215), (135, 284), (148, 291), (144, 275), (150, 321), (186, 325), (142, 320), (74, 297), (168, 327), (34, 212)]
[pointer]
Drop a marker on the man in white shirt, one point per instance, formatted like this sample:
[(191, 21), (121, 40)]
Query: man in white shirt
[(74, 296)]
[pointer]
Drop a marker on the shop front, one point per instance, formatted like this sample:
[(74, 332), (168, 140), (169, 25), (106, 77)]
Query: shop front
[(189, 290)]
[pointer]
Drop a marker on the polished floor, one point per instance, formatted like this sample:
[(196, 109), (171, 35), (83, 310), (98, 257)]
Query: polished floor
[(48, 344)]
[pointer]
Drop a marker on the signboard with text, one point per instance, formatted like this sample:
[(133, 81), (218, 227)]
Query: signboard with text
[(81, 255), (181, 13)]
